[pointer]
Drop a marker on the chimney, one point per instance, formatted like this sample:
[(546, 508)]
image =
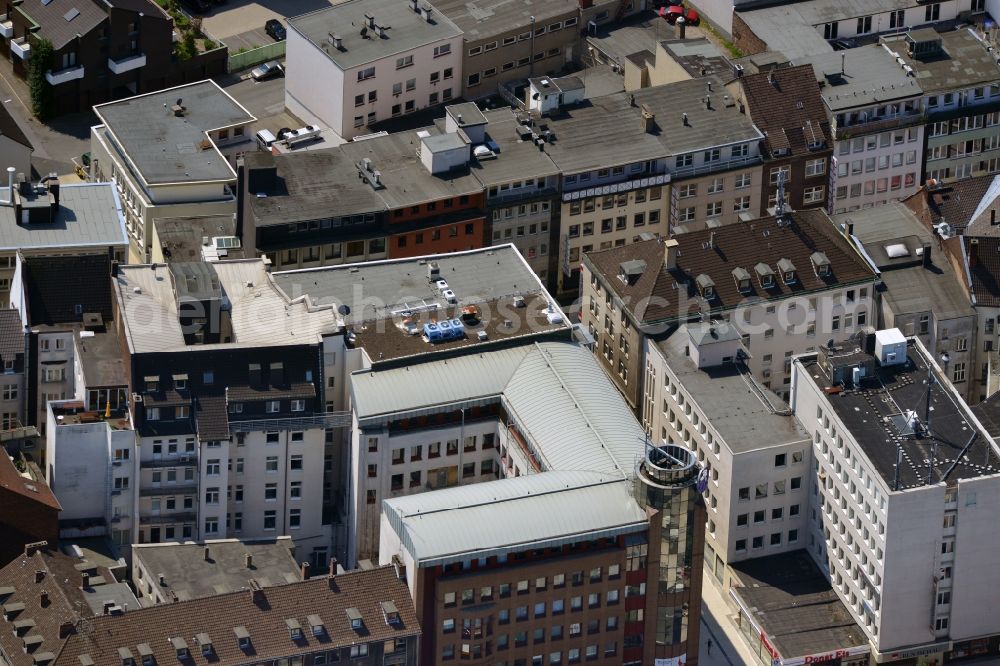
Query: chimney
[(54, 188), (670, 247), (333, 568), (850, 229), (426, 12), (248, 561), (208, 556), (371, 21), (39, 575), (648, 121), (684, 119), (43, 599), (927, 255), (973, 253), (993, 216), (162, 579), (305, 571), (256, 592), (65, 629), (85, 579), (338, 42)]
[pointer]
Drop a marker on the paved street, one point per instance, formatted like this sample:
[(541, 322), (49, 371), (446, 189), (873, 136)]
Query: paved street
[(56, 143), (241, 16)]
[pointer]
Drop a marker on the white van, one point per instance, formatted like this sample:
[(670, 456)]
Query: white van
[(264, 139)]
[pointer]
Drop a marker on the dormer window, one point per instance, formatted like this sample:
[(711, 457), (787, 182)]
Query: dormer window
[(706, 286), (630, 271), (146, 654), (125, 655), (180, 647), (391, 613), (180, 382), (294, 629), (316, 624), (787, 269), (765, 275), (354, 617), (152, 383), (742, 279), (206, 644), (242, 637), (821, 264)]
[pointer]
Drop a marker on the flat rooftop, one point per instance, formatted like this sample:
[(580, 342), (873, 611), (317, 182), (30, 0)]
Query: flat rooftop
[(640, 32), (860, 77), (374, 298), (513, 515), (261, 315), (189, 575), (744, 412), (480, 19), (517, 159), (699, 57), (167, 148), (793, 603), (406, 181), (405, 30), (957, 446), (183, 238), (911, 286), (89, 216), (963, 61), (101, 357), (312, 185), (71, 413)]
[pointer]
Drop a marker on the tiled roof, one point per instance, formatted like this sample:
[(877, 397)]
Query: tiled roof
[(10, 129), (955, 202), (46, 571), (211, 416), (11, 480), (57, 285), (11, 334), (786, 105), (983, 261), (60, 21), (263, 613), (659, 295)]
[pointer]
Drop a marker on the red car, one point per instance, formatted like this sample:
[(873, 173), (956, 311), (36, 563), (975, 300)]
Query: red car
[(673, 12)]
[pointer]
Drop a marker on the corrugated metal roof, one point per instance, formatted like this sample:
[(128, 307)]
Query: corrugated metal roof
[(572, 412), (441, 382), (538, 510)]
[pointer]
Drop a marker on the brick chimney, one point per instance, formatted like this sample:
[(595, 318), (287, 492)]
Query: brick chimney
[(39, 575), (248, 560), (305, 571), (670, 249)]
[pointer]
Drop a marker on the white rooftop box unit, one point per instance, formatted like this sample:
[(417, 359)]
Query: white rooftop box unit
[(890, 347)]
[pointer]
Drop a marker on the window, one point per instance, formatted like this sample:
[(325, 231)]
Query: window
[(864, 25), (298, 405), (405, 61), (815, 167), (760, 491), (713, 209), (213, 468), (270, 464), (958, 373), (443, 49), (273, 406), (270, 520), (813, 194), (780, 460), (473, 79), (366, 73)]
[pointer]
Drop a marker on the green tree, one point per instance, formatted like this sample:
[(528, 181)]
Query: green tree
[(42, 97)]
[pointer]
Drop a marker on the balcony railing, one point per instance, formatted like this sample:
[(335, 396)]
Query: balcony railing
[(6, 26), (881, 124), (184, 461), (168, 518), (169, 489), (21, 48), (321, 420), (127, 64), (64, 75), (712, 167)]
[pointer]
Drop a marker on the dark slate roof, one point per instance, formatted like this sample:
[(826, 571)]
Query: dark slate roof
[(786, 105), (248, 393), (11, 334), (51, 17), (988, 413), (659, 295), (264, 620), (983, 262), (147, 7), (10, 129), (57, 285)]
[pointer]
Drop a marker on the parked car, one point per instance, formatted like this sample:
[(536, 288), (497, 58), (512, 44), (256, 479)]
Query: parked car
[(672, 12), (268, 70), (275, 30)]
